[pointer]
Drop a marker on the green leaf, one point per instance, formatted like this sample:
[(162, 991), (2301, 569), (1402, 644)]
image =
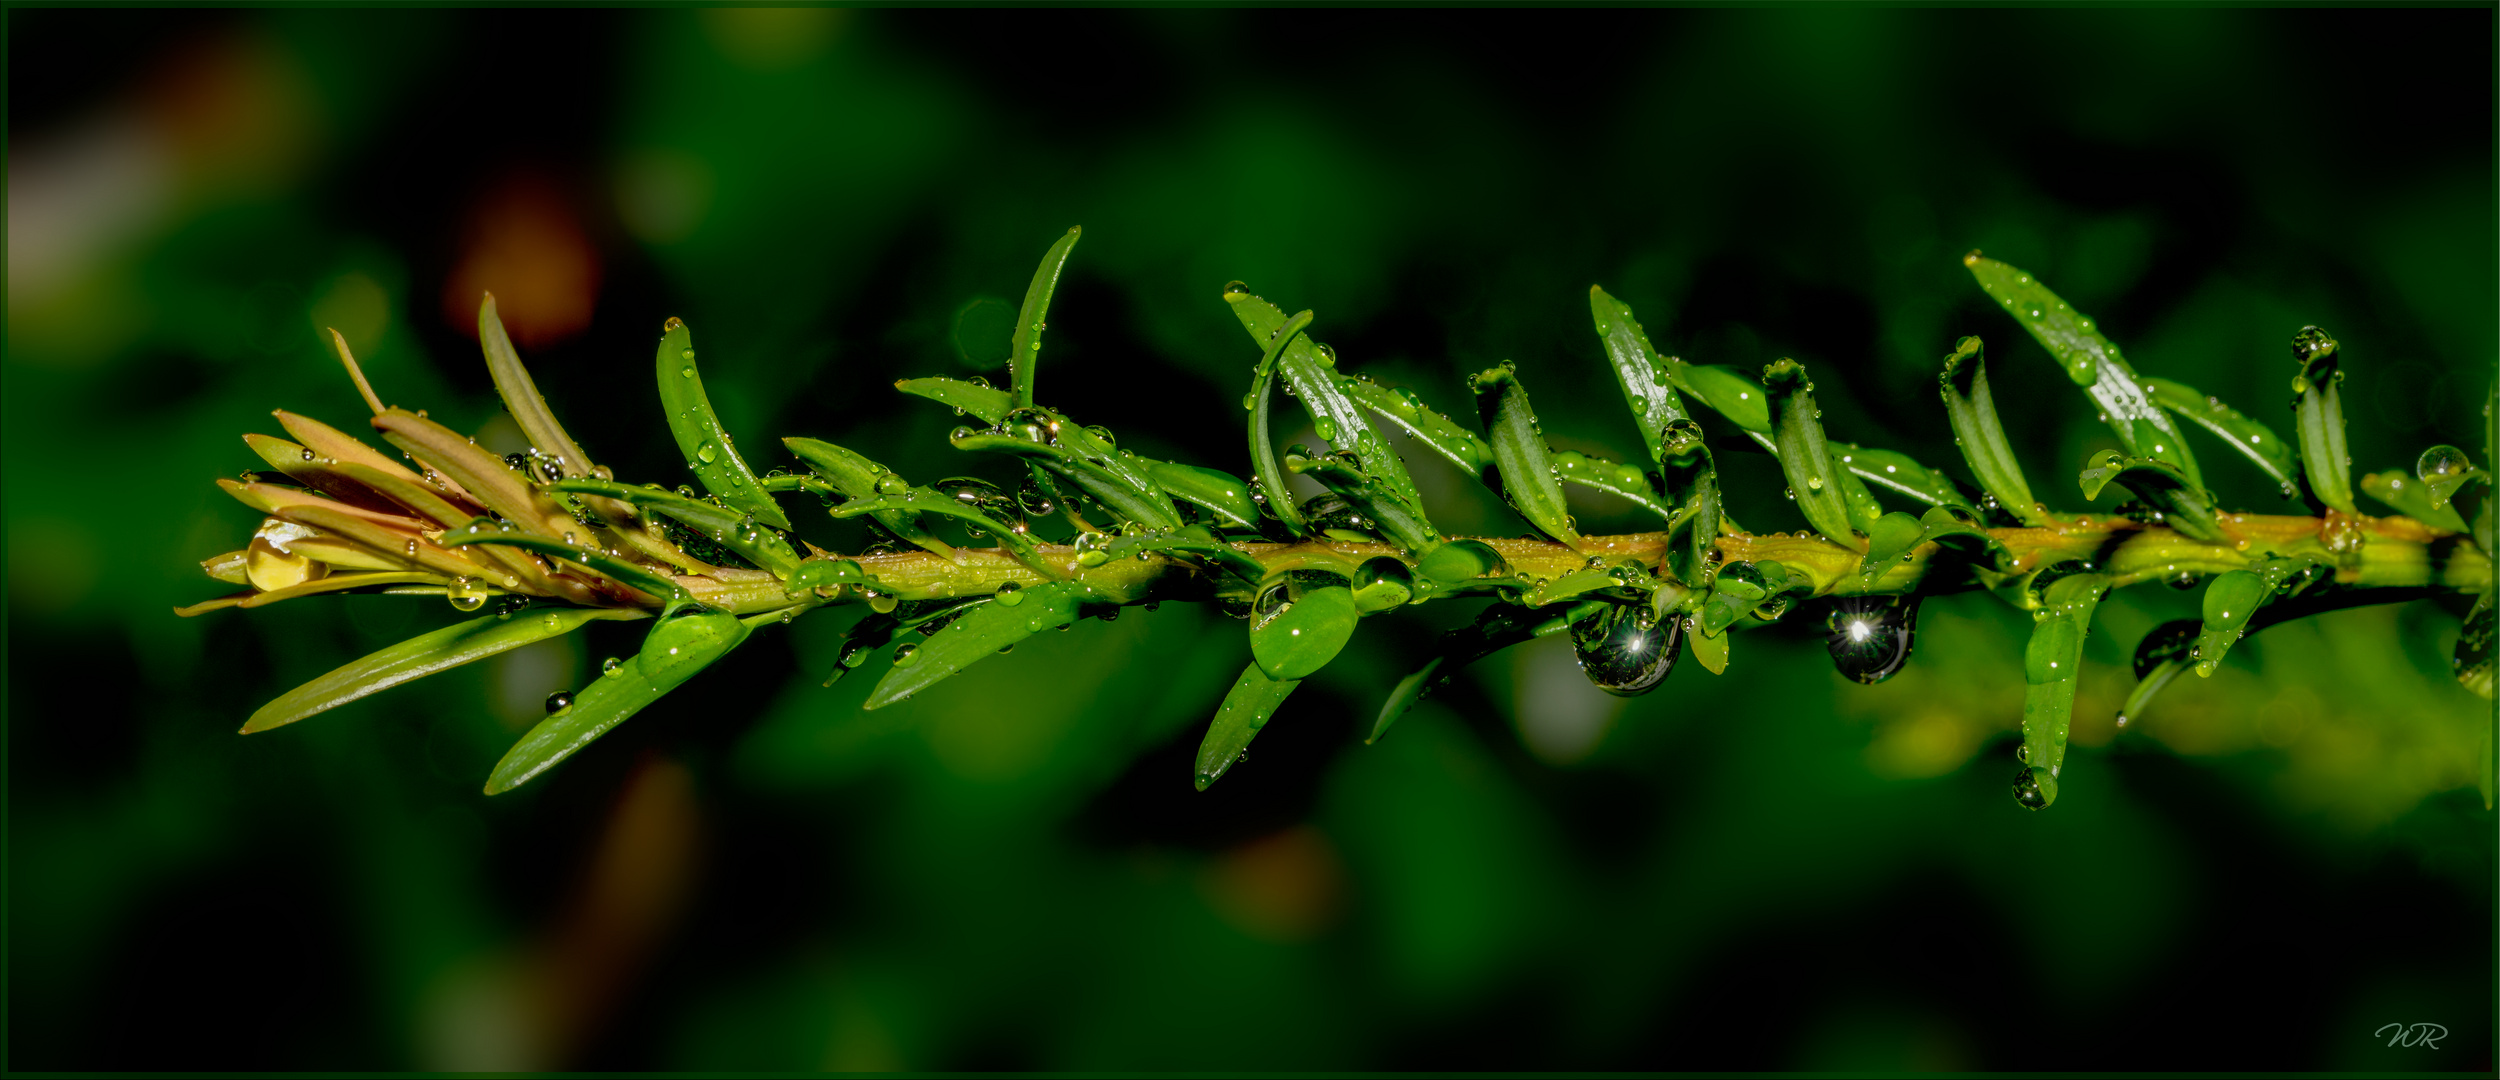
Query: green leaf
[(423, 655), (1263, 462), (487, 531), (483, 475), (2234, 598), (1118, 480), (1807, 462), (2183, 505), (1300, 621), (2258, 443), (2318, 409), (921, 500), (1899, 473), (1026, 347), (1889, 538), (2051, 663), (1700, 516), (1310, 369), (1972, 410), (1571, 584), (520, 395), (2412, 498), (1447, 437), (1854, 497), (1219, 492), (1639, 369), (1739, 588), (1387, 515), (1523, 472), (1186, 541), (2091, 360), (729, 528), (707, 448), (1727, 390), (990, 626), (1613, 478), (856, 478), (1253, 698), (678, 649), (978, 398), (2473, 658)]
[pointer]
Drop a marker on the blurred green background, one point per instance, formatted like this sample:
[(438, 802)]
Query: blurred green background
[(1774, 868)]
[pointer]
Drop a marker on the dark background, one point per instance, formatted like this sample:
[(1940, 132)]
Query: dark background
[(1774, 868)]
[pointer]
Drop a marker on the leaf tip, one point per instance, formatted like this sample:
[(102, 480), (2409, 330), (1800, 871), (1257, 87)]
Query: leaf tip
[(1971, 259)]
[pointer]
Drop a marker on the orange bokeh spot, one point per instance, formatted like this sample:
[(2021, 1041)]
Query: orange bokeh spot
[(524, 243)]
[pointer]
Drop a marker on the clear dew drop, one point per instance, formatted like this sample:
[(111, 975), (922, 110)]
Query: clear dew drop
[(707, 453), (465, 594), (1009, 594), (559, 701), (610, 666)]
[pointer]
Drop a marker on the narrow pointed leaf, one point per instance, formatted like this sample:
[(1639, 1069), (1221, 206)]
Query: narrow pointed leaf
[(857, 478), (1025, 349), (1728, 391), (1804, 458), (2412, 498), (2092, 361), (929, 501), (423, 655), (2271, 453), (707, 448), (1896, 472), (2183, 505), (2051, 662), (478, 471), (1246, 709), (1390, 516), (1698, 520), (677, 649), (1186, 542), (1447, 437), (1120, 484), (1263, 463), (1971, 408), (326, 441), (1613, 478), (521, 397), (1220, 493), (316, 473), (1311, 370), (1854, 496), (2318, 409), (428, 555), (980, 633), (641, 577), (344, 582), (979, 399), (1638, 369), (728, 528), (1523, 467)]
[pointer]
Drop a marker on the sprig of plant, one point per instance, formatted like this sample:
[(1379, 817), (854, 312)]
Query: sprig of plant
[(553, 542)]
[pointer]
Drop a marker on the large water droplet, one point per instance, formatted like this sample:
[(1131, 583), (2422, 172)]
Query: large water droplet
[(465, 594), (1871, 635), (707, 453), (1626, 650), (1009, 594), (560, 701), (2034, 788)]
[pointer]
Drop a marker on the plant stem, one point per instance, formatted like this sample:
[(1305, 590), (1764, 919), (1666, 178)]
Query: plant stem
[(2366, 551)]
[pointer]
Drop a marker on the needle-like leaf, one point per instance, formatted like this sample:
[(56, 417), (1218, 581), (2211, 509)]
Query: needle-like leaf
[(1804, 458), (1639, 369), (979, 633), (980, 399), (2091, 360), (726, 527), (1523, 469), (1026, 346), (423, 655), (2255, 441), (2051, 663), (1246, 709), (678, 649), (520, 395), (1971, 408), (708, 449)]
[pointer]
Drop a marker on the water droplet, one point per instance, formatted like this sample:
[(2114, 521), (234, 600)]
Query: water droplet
[(1234, 288), (904, 654), (1871, 636), (2034, 788), (1626, 650), (610, 666), (465, 594), (1009, 594), (560, 701), (707, 453), (686, 371)]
